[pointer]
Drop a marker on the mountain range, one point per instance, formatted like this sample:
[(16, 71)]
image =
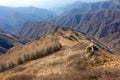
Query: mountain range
[(99, 21), (12, 18), (80, 41), (102, 23), (82, 7), (33, 30)]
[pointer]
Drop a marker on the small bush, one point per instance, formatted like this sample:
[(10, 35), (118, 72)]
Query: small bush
[(21, 60), (91, 50), (11, 64)]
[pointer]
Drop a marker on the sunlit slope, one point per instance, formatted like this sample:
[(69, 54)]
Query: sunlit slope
[(73, 57)]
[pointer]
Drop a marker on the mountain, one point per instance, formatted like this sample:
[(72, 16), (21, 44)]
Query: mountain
[(102, 24), (32, 30), (80, 7), (80, 44), (65, 55), (8, 40), (99, 21), (42, 13), (117, 2), (12, 18), (74, 6), (92, 21)]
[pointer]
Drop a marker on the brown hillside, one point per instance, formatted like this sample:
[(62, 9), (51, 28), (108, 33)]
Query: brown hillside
[(72, 58), (37, 48)]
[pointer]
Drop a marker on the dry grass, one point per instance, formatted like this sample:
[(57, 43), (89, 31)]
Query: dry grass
[(22, 77), (31, 51), (36, 49), (70, 63), (101, 74)]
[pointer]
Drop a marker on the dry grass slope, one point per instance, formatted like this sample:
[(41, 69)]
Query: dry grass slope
[(31, 51), (68, 64), (77, 61)]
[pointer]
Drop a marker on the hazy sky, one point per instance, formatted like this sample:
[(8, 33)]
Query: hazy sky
[(40, 3)]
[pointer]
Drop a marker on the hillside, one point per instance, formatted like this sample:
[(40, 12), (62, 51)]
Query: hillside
[(65, 55), (12, 18), (82, 43), (39, 47), (8, 40), (102, 25), (32, 30)]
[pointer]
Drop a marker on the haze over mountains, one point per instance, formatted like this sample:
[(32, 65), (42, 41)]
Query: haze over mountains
[(94, 19), (98, 20), (12, 18), (78, 41), (82, 7)]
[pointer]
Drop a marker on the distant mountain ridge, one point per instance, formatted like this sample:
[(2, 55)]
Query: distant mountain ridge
[(114, 1), (100, 21), (80, 7), (33, 30), (82, 43), (8, 40), (12, 18)]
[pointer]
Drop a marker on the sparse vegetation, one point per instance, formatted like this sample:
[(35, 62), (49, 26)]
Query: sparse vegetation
[(70, 63), (29, 52)]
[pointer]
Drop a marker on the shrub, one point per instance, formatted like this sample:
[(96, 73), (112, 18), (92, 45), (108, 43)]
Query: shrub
[(21, 60), (91, 50)]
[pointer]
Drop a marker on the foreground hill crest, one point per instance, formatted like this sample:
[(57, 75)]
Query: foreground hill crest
[(65, 55)]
